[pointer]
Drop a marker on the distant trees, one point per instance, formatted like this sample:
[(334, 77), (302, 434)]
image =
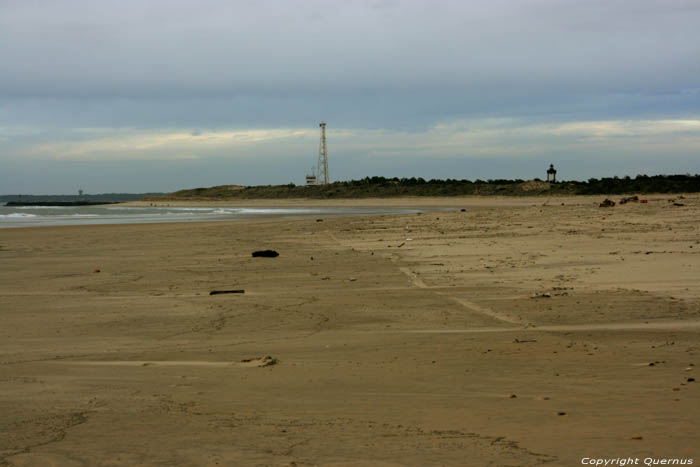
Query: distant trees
[(378, 186)]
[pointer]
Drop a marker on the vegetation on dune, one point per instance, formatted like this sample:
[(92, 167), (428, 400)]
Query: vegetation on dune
[(381, 187)]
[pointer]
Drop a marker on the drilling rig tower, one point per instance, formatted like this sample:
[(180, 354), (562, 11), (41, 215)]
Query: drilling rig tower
[(323, 157), (319, 174)]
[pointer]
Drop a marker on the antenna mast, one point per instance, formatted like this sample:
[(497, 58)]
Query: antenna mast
[(323, 157)]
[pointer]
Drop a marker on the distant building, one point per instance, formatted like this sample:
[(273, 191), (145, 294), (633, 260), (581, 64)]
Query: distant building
[(551, 174), (311, 180)]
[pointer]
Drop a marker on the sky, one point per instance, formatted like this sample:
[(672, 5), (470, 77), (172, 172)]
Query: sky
[(142, 96)]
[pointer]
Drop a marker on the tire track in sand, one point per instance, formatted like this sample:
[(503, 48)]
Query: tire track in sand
[(475, 307)]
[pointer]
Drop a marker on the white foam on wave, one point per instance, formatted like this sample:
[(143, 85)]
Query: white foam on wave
[(277, 211), (174, 209), (43, 207), (24, 215), (190, 209), (198, 212), (122, 215), (227, 211), (16, 215)]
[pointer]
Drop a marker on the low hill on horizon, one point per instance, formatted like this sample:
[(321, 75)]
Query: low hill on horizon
[(381, 187)]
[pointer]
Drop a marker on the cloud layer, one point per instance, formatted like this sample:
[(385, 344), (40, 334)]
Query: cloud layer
[(429, 87)]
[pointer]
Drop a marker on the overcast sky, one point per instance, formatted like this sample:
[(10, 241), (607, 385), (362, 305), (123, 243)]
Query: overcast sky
[(135, 96)]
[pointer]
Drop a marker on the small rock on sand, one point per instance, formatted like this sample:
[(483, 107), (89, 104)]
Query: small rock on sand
[(265, 254)]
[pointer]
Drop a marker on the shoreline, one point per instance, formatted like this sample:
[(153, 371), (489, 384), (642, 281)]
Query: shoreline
[(417, 201), (20, 217)]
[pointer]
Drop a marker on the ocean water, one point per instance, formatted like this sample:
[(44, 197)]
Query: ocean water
[(36, 216)]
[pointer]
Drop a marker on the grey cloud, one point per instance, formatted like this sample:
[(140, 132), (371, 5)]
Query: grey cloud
[(391, 109), (175, 48), (377, 64)]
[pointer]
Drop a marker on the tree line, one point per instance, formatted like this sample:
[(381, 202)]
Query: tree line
[(383, 187)]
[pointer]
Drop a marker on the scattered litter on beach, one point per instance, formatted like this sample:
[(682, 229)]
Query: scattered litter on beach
[(265, 254), (218, 292), (523, 341), (541, 295), (607, 203), (634, 198), (260, 361), (269, 361)]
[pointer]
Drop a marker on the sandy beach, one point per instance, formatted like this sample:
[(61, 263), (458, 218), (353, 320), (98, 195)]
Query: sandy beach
[(518, 332)]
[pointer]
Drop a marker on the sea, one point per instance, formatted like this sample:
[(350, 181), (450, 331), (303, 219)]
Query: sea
[(38, 216)]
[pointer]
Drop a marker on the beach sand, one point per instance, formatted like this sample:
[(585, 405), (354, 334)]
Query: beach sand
[(396, 340)]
